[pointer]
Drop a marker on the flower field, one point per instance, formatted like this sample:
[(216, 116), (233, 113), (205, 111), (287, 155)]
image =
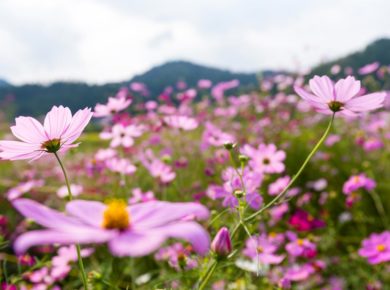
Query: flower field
[(207, 187)]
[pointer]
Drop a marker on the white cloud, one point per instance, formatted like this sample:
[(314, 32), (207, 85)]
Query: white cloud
[(100, 41)]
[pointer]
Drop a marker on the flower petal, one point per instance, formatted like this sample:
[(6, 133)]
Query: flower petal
[(346, 89), (29, 130), (45, 216), (50, 237), (16, 150), (191, 232), (366, 103), (79, 121), (136, 244), (158, 213), (89, 212), (323, 88), (57, 121)]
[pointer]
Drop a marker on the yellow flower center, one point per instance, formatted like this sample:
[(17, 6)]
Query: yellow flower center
[(300, 242), (116, 215), (380, 247), (260, 249), (356, 179)]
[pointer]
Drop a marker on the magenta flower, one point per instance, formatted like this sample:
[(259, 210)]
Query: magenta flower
[(357, 182), (303, 221), (300, 247), (376, 248), (222, 244), (134, 230), (329, 98), (60, 129)]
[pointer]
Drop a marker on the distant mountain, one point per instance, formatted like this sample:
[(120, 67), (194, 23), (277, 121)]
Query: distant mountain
[(4, 83), (36, 99), (169, 73), (377, 51)]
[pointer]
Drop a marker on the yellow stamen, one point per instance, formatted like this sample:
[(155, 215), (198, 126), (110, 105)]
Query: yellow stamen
[(380, 247), (260, 249), (300, 242), (116, 215)]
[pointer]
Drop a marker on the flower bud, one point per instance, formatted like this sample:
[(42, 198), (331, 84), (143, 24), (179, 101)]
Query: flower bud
[(243, 159), (222, 245), (229, 145)]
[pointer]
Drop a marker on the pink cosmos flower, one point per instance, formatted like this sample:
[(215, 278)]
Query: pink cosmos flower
[(204, 84), (178, 256), (181, 122), (266, 158), (121, 135), (376, 248), (213, 136), (113, 106), (329, 98), (60, 129), (139, 196), (262, 250), (232, 183), (121, 165), (369, 68), (300, 247), (134, 230), (22, 188), (278, 185), (303, 221), (357, 182)]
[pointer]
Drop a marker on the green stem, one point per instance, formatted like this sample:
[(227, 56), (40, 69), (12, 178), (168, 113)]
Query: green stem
[(379, 207), (295, 177), (203, 283), (80, 260)]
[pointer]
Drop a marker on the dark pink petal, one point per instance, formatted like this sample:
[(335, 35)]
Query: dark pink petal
[(366, 103), (158, 213), (50, 237), (346, 89), (89, 212), (29, 130), (136, 244), (57, 121), (323, 88)]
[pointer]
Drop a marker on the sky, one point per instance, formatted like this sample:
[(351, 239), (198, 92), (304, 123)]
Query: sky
[(101, 41)]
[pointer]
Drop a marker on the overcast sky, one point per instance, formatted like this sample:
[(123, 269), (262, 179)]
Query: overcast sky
[(111, 40)]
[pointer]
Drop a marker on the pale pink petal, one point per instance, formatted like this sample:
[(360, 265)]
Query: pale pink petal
[(79, 121), (366, 103), (136, 244), (89, 212), (323, 88), (29, 130), (45, 216), (15, 150), (57, 121), (346, 89), (157, 213), (190, 232), (50, 237)]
